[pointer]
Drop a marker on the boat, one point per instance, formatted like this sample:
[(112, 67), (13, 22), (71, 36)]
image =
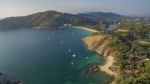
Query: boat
[(73, 55)]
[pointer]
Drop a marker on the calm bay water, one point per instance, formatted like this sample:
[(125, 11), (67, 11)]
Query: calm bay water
[(48, 57)]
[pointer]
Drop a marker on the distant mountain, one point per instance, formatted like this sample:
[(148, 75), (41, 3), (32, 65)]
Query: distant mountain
[(44, 20), (101, 15)]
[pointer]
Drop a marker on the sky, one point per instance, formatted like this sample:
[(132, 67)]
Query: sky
[(9, 8)]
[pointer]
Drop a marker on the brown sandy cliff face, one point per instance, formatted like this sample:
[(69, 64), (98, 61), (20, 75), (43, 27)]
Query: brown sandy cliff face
[(99, 44)]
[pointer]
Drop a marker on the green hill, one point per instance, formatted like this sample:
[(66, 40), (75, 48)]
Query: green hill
[(44, 20), (101, 15)]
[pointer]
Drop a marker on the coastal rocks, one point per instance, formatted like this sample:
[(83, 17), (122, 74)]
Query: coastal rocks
[(111, 81), (93, 42), (16, 82), (5, 80), (10, 82), (100, 44), (1, 73), (93, 69)]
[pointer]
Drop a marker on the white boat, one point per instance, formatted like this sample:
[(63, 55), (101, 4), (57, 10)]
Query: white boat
[(72, 63), (73, 55)]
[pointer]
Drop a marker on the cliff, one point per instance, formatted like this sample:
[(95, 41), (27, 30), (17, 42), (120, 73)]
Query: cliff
[(100, 44)]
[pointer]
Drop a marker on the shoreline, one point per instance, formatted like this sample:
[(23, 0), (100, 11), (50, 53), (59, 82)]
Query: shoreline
[(86, 28), (106, 66), (109, 60)]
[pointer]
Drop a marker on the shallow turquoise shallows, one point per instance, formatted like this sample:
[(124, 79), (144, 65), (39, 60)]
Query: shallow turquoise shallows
[(48, 56)]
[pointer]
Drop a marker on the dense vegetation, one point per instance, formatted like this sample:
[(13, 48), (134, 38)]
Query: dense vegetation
[(133, 56), (131, 41), (101, 15)]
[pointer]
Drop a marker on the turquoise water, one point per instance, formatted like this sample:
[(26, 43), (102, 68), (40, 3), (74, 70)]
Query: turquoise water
[(56, 56)]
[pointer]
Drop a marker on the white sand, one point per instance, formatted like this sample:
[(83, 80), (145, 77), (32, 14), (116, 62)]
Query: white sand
[(88, 29), (109, 58), (105, 67)]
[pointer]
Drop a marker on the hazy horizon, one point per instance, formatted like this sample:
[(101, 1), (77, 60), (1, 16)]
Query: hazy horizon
[(11, 8)]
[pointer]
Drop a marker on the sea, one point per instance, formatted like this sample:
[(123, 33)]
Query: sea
[(49, 56)]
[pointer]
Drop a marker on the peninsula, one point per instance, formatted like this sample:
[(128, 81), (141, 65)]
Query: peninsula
[(124, 49)]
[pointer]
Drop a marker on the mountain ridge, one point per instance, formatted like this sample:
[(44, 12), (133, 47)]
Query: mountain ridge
[(44, 20), (50, 19), (101, 15)]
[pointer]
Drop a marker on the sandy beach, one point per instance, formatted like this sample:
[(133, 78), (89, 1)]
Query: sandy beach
[(107, 65), (88, 29), (109, 62), (91, 42)]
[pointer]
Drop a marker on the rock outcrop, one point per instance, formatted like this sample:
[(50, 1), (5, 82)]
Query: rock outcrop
[(100, 44)]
